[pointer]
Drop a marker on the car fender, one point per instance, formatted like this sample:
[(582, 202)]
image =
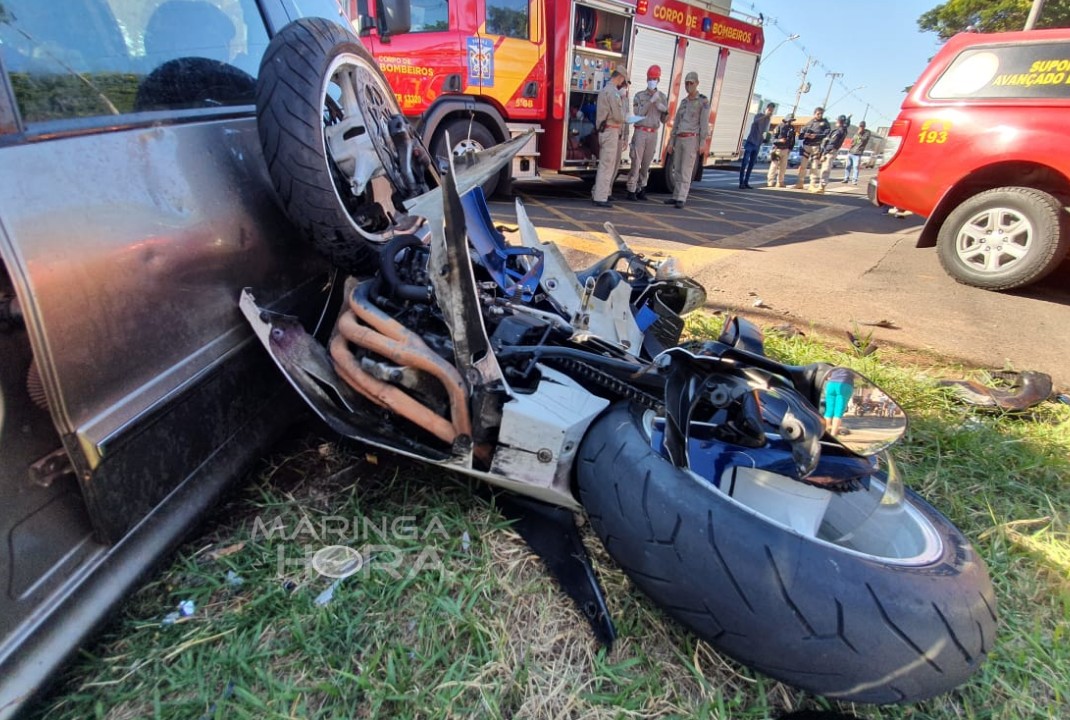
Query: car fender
[(1018, 173)]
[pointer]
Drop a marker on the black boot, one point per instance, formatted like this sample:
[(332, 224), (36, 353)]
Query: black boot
[(632, 196), (670, 201), (641, 195)]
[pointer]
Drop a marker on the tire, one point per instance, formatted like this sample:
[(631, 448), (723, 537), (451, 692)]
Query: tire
[(663, 179), (480, 138), (304, 65), (1035, 247), (818, 616)]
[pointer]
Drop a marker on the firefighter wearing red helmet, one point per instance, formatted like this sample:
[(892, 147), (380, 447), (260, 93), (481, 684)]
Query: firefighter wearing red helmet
[(651, 107)]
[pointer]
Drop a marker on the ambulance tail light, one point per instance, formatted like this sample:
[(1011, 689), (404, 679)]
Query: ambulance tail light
[(896, 134)]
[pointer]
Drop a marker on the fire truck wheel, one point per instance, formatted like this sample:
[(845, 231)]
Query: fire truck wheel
[(322, 109), (479, 138), (663, 180)]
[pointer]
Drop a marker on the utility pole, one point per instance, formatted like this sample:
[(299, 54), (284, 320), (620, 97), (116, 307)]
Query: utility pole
[(1034, 14), (865, 113), (832, 75), (804, 87)]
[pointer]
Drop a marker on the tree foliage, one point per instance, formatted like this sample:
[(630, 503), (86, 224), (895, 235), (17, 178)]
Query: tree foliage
[(956, 16)]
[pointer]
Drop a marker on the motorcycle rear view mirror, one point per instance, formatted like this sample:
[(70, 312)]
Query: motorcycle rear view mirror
[(858, 414)]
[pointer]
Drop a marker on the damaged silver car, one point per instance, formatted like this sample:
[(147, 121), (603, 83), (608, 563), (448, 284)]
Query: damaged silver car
[(134, 204)]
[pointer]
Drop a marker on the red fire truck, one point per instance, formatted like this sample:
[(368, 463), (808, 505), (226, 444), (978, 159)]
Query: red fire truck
[(486, 70)]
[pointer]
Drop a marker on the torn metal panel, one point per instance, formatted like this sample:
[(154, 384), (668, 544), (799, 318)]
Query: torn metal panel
[(471, 171), (457, 295)]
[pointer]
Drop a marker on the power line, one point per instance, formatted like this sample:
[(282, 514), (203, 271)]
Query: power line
[(812, 60)]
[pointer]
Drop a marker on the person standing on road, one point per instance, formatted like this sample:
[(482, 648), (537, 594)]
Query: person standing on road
[(609, 121), (854, 158), (783, 144), (759, 129), (813, 134), (653, 107), (838, 388), (688, 135), (829, 149)]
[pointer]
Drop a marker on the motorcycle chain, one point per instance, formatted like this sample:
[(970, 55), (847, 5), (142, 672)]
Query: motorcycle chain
[(610, 382)]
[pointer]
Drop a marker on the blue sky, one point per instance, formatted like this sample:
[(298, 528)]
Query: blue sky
[(875, 43)]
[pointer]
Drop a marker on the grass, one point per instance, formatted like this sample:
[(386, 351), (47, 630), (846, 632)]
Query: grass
[(454, 617)]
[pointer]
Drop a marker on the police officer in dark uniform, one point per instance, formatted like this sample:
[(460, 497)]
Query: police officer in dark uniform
[(783, 144), (813, 134), (829, 148)]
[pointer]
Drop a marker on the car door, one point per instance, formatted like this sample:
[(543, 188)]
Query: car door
[(134, 207)]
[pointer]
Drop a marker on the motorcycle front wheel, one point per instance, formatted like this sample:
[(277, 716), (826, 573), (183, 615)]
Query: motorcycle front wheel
[(902, 611)]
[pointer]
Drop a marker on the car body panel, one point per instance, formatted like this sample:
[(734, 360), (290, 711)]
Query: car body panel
[(125, 240), (957, 145)]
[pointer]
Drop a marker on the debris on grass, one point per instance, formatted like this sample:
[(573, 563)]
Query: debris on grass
[(186, 608), (226, 551), (327, 595), (233, 579)]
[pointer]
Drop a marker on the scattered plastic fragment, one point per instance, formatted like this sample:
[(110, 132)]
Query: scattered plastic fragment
[(234, 580), (466, 541), (185, 609), (327, 595), (759, 303)]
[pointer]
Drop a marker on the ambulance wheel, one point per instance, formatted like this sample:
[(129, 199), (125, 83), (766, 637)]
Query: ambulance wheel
[(1004, 238), (480, 138)]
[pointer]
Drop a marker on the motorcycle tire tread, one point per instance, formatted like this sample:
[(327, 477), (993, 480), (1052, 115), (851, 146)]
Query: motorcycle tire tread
[(841, 625), (289, 120)]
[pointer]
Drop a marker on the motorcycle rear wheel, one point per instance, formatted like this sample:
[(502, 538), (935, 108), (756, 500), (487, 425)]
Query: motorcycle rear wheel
[(878, 625)]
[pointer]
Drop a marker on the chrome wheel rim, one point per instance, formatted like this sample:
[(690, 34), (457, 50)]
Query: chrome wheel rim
[(465, 146), (357, 107), (994, 240)]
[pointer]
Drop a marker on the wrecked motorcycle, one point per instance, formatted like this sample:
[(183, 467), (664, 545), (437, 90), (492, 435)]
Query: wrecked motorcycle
[(705, 468)]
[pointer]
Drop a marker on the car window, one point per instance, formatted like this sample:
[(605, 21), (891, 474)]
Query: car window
[(1033, 70), (111, 57)]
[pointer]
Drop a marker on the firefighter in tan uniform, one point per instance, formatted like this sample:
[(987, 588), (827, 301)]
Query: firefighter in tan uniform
[(653, 107), (688, 135), (609, 120)]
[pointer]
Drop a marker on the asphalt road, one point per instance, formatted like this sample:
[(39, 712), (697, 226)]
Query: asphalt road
[(832, 261)]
